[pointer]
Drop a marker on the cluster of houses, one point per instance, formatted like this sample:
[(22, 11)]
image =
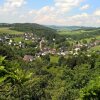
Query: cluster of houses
[(44, 49), (9, 40), (4, 38), (28, 36)]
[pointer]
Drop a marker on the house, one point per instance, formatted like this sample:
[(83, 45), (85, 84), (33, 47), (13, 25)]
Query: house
[(63, 53), (77, 49), (28, 58), (26, 39), (1, 39), (10, 41), (6, 38), (53, 51), (76, 53)]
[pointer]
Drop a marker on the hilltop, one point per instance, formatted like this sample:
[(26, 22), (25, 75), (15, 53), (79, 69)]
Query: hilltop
[(36, 29)]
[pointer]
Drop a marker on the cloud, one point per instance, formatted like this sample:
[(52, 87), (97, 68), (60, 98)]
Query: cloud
[(57, 14), (84, 19), (53, 14), (60, 6), (10, 5), (67, 5), (85, 7), (97, 12), (78, 16)]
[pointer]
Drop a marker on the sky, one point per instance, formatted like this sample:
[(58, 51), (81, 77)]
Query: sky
[(51, 12)]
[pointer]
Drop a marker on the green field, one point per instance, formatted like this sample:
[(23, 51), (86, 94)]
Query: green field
[(98, 37), (96, 48), (78, 32), (18, 39), (7, 30), (66, 32), (54, 59), (75, 32), (89, 39)]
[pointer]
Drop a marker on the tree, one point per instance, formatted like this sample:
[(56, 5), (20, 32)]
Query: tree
[(46, 58), (92, 90), (7, 52), (12, 80), (84, 41), (62, 61)]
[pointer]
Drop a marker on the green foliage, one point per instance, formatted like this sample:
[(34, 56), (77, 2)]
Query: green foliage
[(62, 61), (49, 77), (92, 90), (81, 34), (46, 58), (11, 79), (7, 52), (40, 81), (7, 30), (36, 29)]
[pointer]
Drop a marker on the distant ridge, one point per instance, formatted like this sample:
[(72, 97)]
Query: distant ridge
[(69, 27), (55, 27)]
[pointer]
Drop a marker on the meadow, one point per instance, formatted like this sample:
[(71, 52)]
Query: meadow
[(95, 48), (67, 32), (7, 30)]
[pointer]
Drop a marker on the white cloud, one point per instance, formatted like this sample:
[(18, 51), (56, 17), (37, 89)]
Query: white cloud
[(67, 5), (44, 19), (97, 12), (53, 14), (10, 10), (83, 15), (60, 7), (57, 14), (85, 7), (84, 19), (10, 5)]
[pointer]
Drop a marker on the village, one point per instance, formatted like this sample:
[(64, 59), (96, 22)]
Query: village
[(42, 45)]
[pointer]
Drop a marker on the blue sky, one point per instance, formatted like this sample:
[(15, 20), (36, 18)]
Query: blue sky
[(40, 3), (37, 4), (51, 12)]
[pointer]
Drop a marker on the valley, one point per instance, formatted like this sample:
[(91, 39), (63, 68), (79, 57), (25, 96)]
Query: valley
[(42, 63)]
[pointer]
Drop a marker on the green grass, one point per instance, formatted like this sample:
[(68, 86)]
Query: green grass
[(63, 32), (98, 37), (54, 59), (77, 32), (18, 39), (67, 32), (96, 48), (7, 30), (89, 39)]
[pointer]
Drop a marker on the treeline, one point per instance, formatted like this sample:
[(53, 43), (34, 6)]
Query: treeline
[(5, 25)]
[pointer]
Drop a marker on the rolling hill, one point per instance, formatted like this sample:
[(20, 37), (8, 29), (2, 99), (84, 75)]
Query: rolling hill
[(36, 29)]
